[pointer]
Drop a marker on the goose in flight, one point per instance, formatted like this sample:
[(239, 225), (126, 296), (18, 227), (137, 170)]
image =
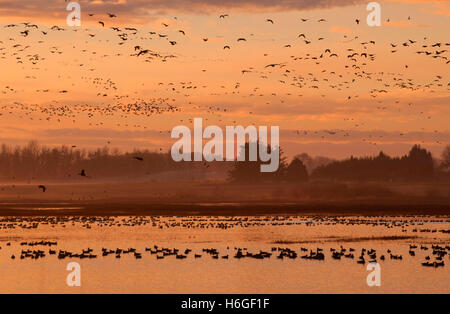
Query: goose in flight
[(241, 39), (101, 23), (138, 158), (222, 16), (269, 21), (142, 52), (111, 15), (43, 188)]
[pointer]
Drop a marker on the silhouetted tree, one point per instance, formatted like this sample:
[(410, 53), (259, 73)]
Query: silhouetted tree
[(446, 158), (296, 171), (250, 171), (420, 163), (311, 163)]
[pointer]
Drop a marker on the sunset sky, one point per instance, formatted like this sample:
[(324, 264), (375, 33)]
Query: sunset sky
[(386, 88)]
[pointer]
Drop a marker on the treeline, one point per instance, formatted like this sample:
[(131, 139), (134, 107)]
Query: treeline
[(417, 165), (250, 171), (34, 161), (38, 162)]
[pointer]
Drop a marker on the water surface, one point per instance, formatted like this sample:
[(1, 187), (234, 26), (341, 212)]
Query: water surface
[(206, 274)]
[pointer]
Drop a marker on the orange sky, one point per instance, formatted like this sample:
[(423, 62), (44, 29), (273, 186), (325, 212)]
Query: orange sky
[(68, 87)]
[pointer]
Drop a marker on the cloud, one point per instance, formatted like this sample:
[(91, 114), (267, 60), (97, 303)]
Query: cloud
[(404, 24), (442, 9), (341, 30), (335, 143), (136, 9)]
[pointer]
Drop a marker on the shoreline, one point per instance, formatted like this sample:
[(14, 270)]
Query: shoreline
[(133, 208)]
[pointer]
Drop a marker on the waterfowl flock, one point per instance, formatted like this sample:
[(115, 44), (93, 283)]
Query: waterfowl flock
[(438, 254), (413, 224), (323, 249)]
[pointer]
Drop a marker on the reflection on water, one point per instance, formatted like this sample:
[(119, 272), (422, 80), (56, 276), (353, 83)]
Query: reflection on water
[(50, 208), (264, 254)]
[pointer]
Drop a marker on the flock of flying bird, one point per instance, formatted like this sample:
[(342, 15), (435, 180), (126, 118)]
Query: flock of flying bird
[(339, 73)]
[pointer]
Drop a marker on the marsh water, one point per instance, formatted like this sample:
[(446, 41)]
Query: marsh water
[(199, 254)]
